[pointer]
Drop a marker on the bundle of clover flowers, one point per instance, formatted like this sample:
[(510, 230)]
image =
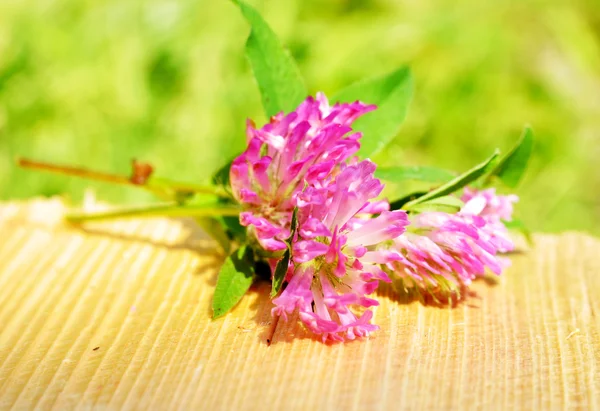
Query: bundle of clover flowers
[(313, 207), (304, 200)]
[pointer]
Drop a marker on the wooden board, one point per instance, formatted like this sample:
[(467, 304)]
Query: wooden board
[(117, 316)]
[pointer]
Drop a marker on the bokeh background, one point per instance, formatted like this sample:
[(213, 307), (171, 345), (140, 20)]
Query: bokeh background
[(98, 82)]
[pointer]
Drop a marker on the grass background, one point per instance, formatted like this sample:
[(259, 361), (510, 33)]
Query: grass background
[(98, 82)]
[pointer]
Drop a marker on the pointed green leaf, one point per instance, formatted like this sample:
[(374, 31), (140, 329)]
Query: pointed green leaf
[(234, 227), (283, 263), (223, 229), (235, 278), (399, 203), (214, 228), (456, 183), (392, 94), (221, 176), (280, 271), (231, 224), (512, 166), (519, 226), (418, 173), (446, 204), (279, 80), (293, 225)]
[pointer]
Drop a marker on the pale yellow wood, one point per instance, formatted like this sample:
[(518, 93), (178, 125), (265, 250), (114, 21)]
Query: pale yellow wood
[(117, 316)]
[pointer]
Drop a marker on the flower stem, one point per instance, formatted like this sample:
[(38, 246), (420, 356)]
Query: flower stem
[(160, 187), (159, 210)]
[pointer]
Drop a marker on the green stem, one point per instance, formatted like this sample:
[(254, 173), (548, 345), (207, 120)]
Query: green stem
[(160, 210), (183, 188)]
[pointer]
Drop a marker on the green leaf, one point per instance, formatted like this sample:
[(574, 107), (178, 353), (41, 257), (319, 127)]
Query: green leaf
[(293, 225), (234, 227), (215, 228), (224, 230), (221, 176), (519, 226), (447, 204), (235, 278), (392, 94), (231, 224), (512, 166), (399, 203), (283, 263), (279, 80), (280, 271), (456, 183), (418, 173)]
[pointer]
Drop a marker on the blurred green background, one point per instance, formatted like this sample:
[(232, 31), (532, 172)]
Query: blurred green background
[(98, 82)]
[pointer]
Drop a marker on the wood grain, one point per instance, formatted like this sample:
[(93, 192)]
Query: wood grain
[(117, 316)]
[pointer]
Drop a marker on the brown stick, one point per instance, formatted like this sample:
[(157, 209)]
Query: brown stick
[(74, 171), (157, 186)]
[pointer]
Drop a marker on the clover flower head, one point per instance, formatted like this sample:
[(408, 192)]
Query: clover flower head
[(336, 258), (287, 154), (488, 204), (445, 251), (494, 209)]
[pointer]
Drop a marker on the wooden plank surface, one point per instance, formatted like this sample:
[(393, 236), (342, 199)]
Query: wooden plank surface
[(117, 316)]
